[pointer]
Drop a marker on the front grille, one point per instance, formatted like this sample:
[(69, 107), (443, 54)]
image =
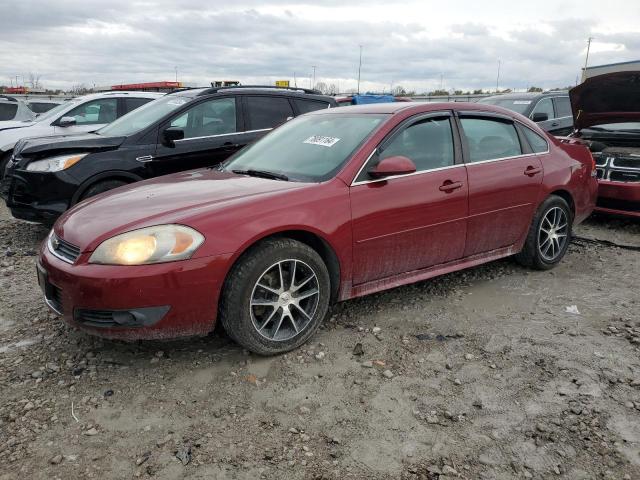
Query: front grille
[(62, 249), (600, 173), (601, 160), (625, 162), (622, 176), (98, 318)]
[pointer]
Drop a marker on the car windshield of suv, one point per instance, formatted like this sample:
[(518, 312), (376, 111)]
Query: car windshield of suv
[(310, 148), (626, 126), (143, 116), (517, 105)]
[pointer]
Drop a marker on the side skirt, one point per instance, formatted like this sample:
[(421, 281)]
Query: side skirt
[(430, 272)]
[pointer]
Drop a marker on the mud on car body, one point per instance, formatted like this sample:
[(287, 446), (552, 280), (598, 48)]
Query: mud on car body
[(332, 205)]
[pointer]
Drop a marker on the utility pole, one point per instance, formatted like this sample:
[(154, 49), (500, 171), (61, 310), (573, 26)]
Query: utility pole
[(176, 69), (314, 77), (498, 76), (586, 60), (441, 81), (359, 69)]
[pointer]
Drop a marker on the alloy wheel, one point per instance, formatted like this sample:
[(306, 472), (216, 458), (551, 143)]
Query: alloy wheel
[(284, 300), (553, 234)]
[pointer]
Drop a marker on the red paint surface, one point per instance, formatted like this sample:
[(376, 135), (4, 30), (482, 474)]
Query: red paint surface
[(384, 234)]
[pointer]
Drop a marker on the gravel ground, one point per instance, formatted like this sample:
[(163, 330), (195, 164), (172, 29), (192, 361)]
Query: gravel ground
[(495, 373)]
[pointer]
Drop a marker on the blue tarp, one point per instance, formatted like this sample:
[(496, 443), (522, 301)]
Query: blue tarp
[(364, 99)]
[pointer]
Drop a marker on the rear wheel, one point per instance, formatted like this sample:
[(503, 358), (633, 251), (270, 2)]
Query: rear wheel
[(275, 297), (101, 187), (549, 235)]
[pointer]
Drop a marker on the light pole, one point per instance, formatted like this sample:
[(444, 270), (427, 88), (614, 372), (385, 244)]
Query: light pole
[(176, 69), (498, 76), (359, 69), (586, 60), (314, 77)]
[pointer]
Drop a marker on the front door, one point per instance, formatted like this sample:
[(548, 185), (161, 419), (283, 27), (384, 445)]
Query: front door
[(212, 132), (413, 221), (504, 183), (89, 116)]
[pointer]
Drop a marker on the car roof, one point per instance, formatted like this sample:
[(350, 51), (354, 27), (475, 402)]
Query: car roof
[(116, 94), (198, 92), (527, 95)]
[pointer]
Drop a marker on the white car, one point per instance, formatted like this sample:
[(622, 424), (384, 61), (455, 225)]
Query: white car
[(79, 115), (13, 110)]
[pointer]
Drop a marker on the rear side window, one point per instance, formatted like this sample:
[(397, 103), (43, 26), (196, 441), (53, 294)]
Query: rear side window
[(41, 107), (428, 144), (306, 106), (538, 144), (563, 107), (131, 104), (490, 139), (8, 111), (267, 112)]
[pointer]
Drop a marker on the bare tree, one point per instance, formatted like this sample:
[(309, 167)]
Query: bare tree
[(34, 80), (79, 89), (399, 90)]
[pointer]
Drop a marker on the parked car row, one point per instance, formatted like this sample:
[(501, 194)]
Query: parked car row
[(335, 204)]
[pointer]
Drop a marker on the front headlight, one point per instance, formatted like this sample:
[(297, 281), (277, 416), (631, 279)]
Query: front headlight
[(55, 164), (162, 243)]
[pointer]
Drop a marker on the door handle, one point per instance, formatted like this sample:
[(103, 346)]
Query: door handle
[(531, 171), (450, 186), (555, 124), (229, 145)]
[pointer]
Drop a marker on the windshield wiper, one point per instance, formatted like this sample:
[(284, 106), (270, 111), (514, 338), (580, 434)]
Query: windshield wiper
[(262, 174)]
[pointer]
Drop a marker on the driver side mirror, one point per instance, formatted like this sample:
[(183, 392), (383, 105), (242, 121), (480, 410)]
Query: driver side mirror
[(171, 134), (540, 117), (67, 121), (390, 166)]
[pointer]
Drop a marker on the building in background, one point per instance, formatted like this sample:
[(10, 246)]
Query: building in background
[(610, 68)]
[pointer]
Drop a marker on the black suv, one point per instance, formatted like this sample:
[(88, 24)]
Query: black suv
[(551, 110), (181, 131)]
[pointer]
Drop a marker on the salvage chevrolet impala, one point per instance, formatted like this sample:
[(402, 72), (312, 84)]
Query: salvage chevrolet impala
[(332, 205)]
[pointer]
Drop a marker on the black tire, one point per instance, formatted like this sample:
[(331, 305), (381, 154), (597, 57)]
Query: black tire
[(533, 253), (3, 162), (236, 310), (101, 187)]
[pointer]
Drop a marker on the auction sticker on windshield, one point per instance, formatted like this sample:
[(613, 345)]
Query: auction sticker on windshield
[(522, 102), (322, 140)]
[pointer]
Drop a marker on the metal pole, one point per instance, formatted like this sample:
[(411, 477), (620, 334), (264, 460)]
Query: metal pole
[(498, 76), (586, 60), (176, 69), (314, 77), (359, 69)]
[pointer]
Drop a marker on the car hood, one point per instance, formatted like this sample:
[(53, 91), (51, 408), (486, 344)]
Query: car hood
[(181, 198), (609, 98), (74, 142), (11, 124)]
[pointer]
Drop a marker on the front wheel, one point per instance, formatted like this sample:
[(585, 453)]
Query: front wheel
[(275, 297), (101, 187), (549, 235)]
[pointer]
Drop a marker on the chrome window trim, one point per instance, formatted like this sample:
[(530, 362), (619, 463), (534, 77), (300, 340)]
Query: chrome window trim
[(54, 253), (223, 135), (393, 177)]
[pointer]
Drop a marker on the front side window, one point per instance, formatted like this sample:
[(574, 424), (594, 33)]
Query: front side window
[(8, 111), (490, 139), (563, 106), (310, 148), (267, 112), (104, 110), (544, 106), (538, 144), (212, 117), (428, 144)]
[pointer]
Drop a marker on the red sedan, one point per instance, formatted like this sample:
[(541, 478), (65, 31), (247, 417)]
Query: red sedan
[(332, 205)]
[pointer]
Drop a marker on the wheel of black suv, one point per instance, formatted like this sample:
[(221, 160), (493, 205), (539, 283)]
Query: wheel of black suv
[(275, 297), (101, 187), (549, 235), (4, 159)]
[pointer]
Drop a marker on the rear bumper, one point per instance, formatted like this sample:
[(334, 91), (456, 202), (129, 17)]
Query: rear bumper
[(161, 301), (619, 198)]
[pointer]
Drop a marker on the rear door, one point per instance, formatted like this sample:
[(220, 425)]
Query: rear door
[(504, 181), (412, 221), (212, 132)]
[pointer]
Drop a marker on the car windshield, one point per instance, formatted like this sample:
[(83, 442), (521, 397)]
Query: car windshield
[(519, 105), (56, 110), (627, 126), (143, 116), (310, 148)]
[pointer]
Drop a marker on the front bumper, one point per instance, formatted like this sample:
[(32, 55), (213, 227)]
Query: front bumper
[(619, 198), (175, 299), (36, 196)]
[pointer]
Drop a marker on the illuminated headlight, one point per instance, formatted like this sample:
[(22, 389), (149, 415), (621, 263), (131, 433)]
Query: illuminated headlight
[(162, 243), (55, 164)]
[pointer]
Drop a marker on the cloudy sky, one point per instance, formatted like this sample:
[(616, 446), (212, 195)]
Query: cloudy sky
[(416, 44)]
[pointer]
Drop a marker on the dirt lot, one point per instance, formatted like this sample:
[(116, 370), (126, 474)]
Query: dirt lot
[(494, 373)]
